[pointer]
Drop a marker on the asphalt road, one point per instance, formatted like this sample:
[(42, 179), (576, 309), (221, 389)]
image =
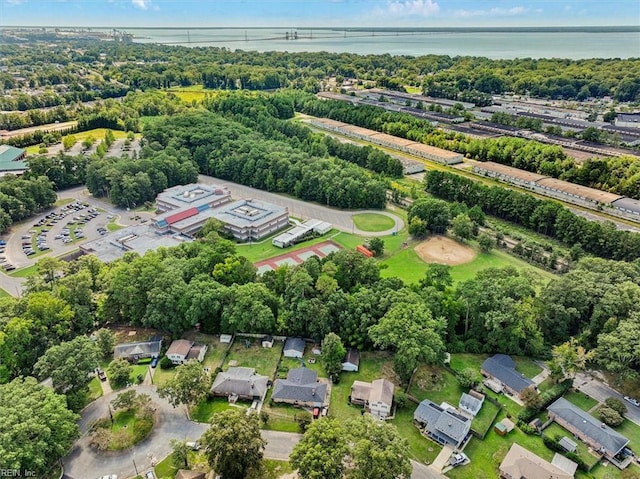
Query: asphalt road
[(597, 389), (341, 219)]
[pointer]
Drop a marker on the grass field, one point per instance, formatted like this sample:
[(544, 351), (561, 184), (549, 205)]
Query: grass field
[(203, 411), (264, 250), (485, 418), (556, 431), (281, 416), (24, 272), (581, 400), (436, 384), (373, 222), (190, 93), (264, 360), (166, 470), (4, 294)]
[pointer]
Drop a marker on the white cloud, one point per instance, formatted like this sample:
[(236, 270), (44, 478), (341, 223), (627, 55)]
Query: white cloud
[(143, 4), (423, 8), (493, 12)]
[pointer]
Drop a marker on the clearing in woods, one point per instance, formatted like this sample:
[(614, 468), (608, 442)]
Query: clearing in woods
[(443, 250)]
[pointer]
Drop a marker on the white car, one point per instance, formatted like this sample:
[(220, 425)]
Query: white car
[(150, 475), (635, 402), (109, 476)]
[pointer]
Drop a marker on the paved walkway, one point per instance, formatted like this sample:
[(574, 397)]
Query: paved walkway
[(540, 377)]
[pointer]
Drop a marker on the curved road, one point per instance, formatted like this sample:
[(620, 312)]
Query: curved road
[(341, 219), (171, 423)]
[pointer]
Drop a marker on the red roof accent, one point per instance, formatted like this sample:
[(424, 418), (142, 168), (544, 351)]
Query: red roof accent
[(180, 215)]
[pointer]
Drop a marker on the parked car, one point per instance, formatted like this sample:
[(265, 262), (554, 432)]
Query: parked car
[(193, 445), (109, 476), (101, 374), (635, 402), (150, 475), (154, 362)]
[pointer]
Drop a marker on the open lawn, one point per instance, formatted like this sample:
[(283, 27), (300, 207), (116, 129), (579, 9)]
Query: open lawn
[(495, 259), (461, 361), (264, 250), (264, 360), (205, 409), (190, 93), (95, 390), (485, 418), (486, 455), (373, 365), (4, 294), (166, 470), (113, 226), (555, 431), (526, 366), (281, 416), (581, 400), (421, 449), (436, 384), (24, 272), (373, 222)]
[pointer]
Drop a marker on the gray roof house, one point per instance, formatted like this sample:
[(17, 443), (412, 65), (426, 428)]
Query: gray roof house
[(444, 426), (589, 429), (471, 403), (301, 388), (135, 351), (241, 383), (294, 348), (502, 368)]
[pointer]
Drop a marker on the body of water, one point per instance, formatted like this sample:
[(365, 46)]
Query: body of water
[(498, 44)]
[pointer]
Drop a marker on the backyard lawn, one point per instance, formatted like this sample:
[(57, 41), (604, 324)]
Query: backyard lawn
[(207, 408), (281, 416), (436, 384), (485, 418), (555, 431), (264, 360), (373, 222)]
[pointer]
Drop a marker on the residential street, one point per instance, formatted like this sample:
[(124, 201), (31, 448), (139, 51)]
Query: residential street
[(84, 462), (597, 389)]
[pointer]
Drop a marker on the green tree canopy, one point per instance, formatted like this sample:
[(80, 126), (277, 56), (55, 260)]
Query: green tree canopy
[(189, 385)]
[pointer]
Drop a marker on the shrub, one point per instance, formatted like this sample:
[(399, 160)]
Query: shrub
[(468, 378), (401, 399), (165, 363), (303, 419), (617, 405), (610, 417)]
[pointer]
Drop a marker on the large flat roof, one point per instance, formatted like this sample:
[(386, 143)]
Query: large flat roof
[(578, 190), (243, 213), (191, 195), (138, 238), (509, 171)]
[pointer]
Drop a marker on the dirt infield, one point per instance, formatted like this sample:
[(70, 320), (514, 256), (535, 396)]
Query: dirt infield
[(443, 250)]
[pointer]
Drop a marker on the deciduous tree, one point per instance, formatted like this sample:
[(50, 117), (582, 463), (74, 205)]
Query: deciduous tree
[(189, 385), (232, 444), (333, 353)]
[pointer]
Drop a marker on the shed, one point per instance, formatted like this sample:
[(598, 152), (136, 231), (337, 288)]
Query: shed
[(567, 444), (294, 348), (564, 463), (226, 338), (267, 341), (351, 362), (504, 427)]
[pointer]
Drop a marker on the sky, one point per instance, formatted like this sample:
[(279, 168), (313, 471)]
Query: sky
[(309, 13)]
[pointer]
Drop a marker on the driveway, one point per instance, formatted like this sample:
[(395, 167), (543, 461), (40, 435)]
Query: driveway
[(341, 219)]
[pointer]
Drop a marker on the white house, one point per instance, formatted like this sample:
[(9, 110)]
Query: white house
[(183, 350), (376, 396)]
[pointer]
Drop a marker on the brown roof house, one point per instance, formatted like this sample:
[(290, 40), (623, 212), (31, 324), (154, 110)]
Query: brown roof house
[(376, 396), (182, 350), (240, 383), (520, 463)]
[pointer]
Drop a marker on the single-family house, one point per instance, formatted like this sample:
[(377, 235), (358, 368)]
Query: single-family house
[(267, 341), (294, 348), (240, 383), (376, 396), (182, 350), (351, 361), (502, 369), (521, 463), (445, 426), (301, 388), (590, 430), (135, 351), (471, 403)]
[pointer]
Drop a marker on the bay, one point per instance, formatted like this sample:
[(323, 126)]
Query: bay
[(568, 43)]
